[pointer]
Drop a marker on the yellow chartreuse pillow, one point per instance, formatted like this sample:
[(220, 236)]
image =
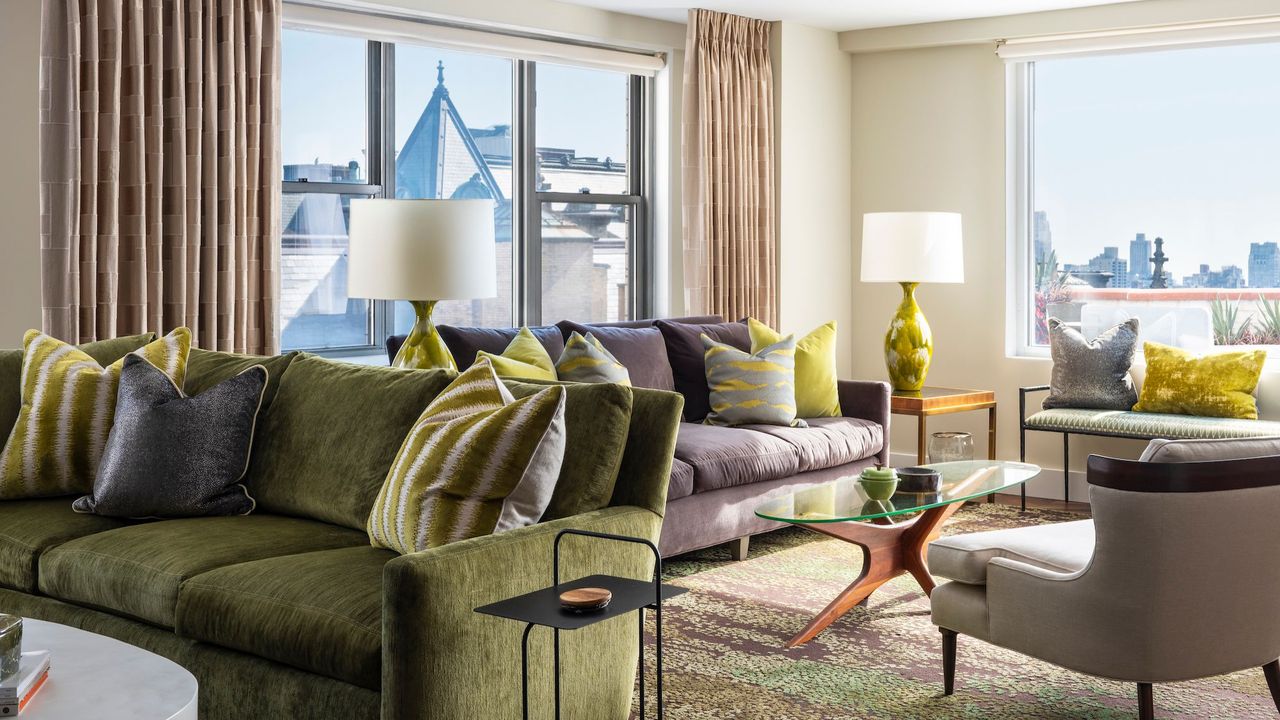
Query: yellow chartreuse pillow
[(817, 394), (1218, 385), (68, 406), (524, 359)]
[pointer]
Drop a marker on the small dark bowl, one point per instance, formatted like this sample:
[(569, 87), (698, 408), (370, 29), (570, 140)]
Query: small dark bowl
[(919, 480)]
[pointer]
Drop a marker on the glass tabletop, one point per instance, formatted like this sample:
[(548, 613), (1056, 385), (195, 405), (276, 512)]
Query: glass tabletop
[(844, 500)]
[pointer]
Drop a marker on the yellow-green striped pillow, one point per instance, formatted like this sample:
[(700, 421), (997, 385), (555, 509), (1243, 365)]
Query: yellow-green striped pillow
[(475, 463), (586, 360), (752, 388), (68, 404)]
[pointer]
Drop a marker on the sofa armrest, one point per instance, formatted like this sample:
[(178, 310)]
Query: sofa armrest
[(442, 659), (868, 400)]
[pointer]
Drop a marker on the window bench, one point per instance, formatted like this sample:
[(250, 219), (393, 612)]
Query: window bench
[(1126, 424)]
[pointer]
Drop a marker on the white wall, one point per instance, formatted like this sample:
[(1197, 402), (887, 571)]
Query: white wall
[(814, 144), (19, 191)]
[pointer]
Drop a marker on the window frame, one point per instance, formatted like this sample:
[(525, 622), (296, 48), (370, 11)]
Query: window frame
[(527, 200), (1020, 201)]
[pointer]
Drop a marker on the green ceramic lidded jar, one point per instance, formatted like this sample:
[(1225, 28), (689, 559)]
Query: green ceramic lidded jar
[(879, 483), (10, 645)]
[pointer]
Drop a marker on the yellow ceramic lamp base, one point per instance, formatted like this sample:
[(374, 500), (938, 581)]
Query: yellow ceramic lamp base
[(424, 348), (908, 346)]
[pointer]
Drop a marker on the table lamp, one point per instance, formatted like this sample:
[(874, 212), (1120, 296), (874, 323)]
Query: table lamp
[(910, 248), (422, 251)]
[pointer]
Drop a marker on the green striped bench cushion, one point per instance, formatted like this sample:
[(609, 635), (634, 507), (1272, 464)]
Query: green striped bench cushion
[(1149, 425)]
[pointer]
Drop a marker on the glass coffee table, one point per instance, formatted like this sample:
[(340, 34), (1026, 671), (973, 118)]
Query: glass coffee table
[(894, 534)]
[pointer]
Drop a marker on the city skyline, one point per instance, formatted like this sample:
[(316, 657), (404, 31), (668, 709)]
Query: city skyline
[(1260, 270), (1179, 145)]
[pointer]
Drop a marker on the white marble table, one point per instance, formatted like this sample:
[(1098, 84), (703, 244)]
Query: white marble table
[(93, 676)]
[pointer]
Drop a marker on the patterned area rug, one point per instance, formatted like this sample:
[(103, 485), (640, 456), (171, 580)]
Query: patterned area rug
[(725, 654)]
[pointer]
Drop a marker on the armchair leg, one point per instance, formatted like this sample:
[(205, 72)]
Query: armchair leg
[(1146, 702), (739, 547), (1272, 671), (948, 661)]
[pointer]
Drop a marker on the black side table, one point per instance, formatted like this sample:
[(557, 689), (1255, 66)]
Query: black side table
[(542, 607)]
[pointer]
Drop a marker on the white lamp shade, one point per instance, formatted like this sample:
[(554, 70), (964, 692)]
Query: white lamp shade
[(924, 247), (422, 250)]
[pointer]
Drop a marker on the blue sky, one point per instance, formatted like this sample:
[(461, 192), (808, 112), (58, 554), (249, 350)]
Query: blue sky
[(323, 98), (1181, 144)]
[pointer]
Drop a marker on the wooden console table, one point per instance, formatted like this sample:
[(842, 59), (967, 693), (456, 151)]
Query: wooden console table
[(944, 401)]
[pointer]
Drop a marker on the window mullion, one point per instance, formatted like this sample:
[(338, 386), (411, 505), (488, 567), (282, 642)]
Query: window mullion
[(528, 266)]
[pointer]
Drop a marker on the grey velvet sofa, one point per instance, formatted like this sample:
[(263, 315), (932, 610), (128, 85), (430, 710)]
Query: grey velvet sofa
[(719, 475)]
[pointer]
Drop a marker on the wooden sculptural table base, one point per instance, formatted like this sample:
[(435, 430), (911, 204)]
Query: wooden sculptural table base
[(888, 550)]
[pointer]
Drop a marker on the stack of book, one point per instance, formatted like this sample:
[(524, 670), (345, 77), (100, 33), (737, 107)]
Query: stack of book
[(17, 691)]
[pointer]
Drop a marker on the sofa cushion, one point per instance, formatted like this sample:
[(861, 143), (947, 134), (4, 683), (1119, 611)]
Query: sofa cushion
[(681, 484), (465, 342), (640, 350), (688, 359), (724, 457), (829, 441), (1061, 547), (324, 447), (206, 368), (136, 571), (29, 528), (597, 418), (1150, 425), (317, 611)]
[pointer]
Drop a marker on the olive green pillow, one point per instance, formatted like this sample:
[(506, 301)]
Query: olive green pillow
[(207, 368), (325, 444), (1217, 385), (68, 402), (477, 462), (597, 420), (104, 351)]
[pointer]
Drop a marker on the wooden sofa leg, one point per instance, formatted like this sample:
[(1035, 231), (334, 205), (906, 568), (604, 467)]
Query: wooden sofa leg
[(1272, 671), (739, 547), (1066, 468), (1146, 702), (948, 661)]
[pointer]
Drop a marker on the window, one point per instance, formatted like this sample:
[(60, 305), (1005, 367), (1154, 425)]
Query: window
[(1145, 186), (560, 150)]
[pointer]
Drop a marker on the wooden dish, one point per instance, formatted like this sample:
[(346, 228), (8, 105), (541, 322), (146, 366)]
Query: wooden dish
[(585, 599)]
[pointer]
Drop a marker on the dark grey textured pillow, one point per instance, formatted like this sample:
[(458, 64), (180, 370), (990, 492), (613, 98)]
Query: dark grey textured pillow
[(171, 456), (1092, 374)]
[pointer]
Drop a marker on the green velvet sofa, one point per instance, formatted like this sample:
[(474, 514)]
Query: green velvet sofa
[(290, 613)]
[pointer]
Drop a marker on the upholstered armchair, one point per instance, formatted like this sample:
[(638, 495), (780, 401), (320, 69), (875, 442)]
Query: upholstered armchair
[(1176, 577)]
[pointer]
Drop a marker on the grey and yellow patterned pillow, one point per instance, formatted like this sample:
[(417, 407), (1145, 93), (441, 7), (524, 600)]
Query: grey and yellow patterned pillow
[(585, 360), (475, 463), (68, 404), (752, 388)]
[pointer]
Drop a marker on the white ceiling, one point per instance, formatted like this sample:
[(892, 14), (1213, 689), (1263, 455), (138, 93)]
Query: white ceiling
[(842, 14)]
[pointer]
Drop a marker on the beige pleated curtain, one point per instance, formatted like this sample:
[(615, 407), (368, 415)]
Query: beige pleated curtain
[(730, 248), (160, 169)]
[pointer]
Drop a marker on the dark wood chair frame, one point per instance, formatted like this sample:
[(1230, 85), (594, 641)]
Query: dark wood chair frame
[(1134, 476)]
